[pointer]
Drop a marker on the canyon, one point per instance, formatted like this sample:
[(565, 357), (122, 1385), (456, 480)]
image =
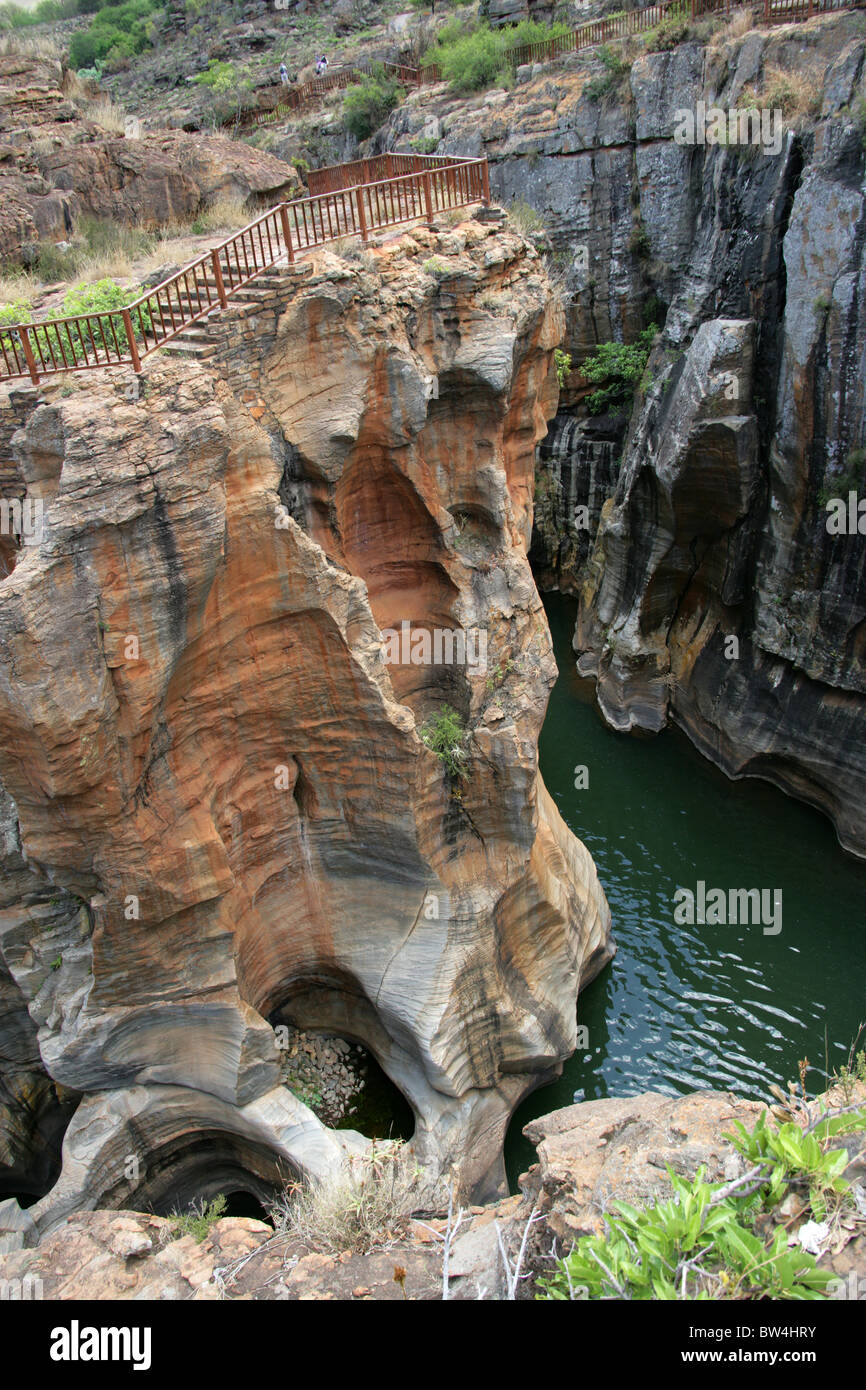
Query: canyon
[(233, 819), (706, 511)]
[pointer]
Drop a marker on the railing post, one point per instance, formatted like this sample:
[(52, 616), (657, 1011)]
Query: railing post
[(218, 276), (130, 338), (485, 179), (24, 335), (428, 197), (362, 216), (287, 234)]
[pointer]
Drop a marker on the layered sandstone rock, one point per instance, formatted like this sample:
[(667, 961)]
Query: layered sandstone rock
[(220, 797)]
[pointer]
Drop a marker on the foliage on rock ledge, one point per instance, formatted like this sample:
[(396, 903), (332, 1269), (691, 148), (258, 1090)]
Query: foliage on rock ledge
[(728, 1240)]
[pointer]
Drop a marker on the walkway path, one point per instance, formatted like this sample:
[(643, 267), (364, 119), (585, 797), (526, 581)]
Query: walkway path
[(349, 200)]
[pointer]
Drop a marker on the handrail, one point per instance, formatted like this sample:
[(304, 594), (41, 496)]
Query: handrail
[(116, 337), (599, 31), (317, 86)]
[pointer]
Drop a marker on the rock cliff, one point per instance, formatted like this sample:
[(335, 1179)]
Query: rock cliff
[(706, 512), (219, 811)]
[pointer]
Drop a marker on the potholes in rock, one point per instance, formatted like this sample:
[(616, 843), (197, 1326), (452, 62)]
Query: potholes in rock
[(344, 1085), (185, 1177), (245, 1204)]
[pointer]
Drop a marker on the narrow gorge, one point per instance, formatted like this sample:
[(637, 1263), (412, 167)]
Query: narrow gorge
[(418, 558)]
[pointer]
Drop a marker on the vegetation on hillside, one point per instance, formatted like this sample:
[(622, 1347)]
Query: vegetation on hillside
[(367, 105), (471, 55)]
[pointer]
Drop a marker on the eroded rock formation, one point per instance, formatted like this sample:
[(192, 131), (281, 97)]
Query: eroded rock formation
[(749, 259), (220, 808), (57, 164)]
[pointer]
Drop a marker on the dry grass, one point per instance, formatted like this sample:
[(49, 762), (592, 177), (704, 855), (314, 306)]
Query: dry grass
[(16, 287), (795, 94), (23, 45), (107, 114), (225, 215), (736, 27), (523, 218), (361, 1207)]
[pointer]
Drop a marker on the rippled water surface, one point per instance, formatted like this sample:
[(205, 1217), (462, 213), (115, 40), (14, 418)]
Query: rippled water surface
[(688, 1007)]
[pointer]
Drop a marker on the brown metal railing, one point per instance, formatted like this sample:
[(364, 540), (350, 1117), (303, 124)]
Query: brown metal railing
[(320, 86), (381, 166), (638, 21), (359, 206)]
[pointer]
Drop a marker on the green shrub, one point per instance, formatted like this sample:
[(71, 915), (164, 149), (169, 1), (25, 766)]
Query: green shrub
[(19, 312), (367, 106), (98, 299), (116, 32), (673, 29), (562, 363), (618, 368), (706, 1242), (615, 69), (474, 57), (473, 61), (199, 1219), (46, 12), (445, 736)]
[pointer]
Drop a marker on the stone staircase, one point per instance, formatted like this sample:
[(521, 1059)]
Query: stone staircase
[(197, 341)]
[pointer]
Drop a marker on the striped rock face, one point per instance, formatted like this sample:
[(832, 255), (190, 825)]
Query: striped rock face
[(219, 808)]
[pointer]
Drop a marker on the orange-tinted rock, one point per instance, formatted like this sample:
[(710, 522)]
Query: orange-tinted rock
[(203, 742)]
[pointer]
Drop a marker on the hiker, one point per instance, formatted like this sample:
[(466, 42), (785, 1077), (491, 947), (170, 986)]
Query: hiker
[(284, 75), (321, 65)]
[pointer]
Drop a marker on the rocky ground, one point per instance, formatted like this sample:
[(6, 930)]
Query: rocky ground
[(589, 1156), (327, 1073)]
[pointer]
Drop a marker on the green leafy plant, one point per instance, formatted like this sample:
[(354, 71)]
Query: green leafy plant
[(56, 963), (705, 1242), (617, 368), (64, 341), (615, 69), (424, 144), (562, 363), (19, 312), (434, 266), (367, 105), (198, 1221), (115, 32), (445, 735), (474, 57), (672, 30)]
